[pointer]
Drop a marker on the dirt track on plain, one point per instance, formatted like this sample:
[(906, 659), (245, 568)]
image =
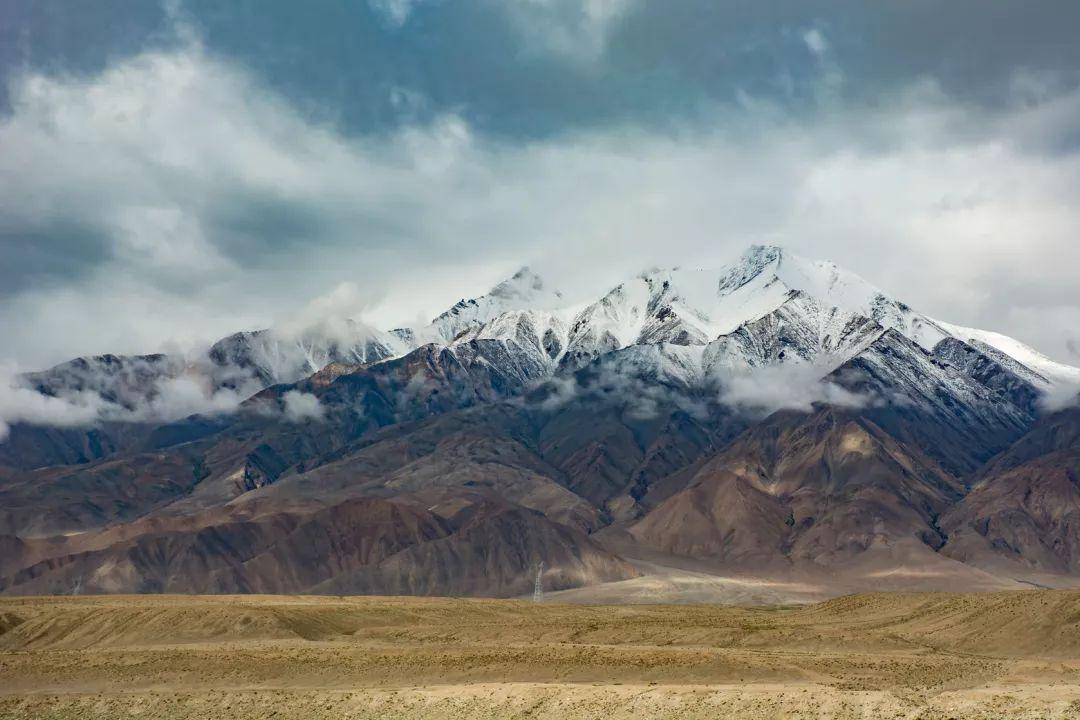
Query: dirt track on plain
[(869, 656)]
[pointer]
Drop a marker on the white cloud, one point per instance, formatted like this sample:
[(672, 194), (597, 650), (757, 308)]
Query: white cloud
[(816, 42), (302, 406), (395, 12), (785, 387), (21, 404), (91, 396), (1060, 396), (573, 29), (191, 394), (217, 207), (333, 315)]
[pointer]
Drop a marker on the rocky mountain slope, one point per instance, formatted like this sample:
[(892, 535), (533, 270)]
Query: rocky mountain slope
[(780, 414)]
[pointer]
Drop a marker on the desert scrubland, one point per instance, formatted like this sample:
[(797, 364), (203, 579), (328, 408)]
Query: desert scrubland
[(927, 655)]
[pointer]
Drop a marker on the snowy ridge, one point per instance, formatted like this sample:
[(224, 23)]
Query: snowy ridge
[(894, 361), (274, 356), (525, 290), (1050, 371), (681, 325), (769, 307)]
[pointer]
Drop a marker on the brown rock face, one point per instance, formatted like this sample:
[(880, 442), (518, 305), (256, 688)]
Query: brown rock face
[(495, 552), (823, 486), (358, 546), (1024, 507)]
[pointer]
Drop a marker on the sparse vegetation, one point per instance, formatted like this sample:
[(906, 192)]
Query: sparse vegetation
[(887, 655)]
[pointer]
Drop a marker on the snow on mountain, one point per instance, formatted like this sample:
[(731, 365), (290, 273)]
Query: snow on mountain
[(765, 276), (800, 330), (696, 306), (959, 416), (679, 366), (275, 356), (1048, 370), (126, 381), (894, 367), (769, 307), (525, 290), (994, 370), (773, 306), (685, 325), (543, 333)]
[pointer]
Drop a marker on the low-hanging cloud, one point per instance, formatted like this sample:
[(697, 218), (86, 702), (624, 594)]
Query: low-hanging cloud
[(639, 391), (22, 404), (752, 390), (163, 388), (82, 396), (792, 386), (1060, 396), (301, 406)]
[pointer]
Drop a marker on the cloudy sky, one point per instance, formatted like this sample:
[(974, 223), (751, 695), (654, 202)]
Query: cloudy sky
[(174, 171)]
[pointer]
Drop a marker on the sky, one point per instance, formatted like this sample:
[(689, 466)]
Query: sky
[(171, 172)]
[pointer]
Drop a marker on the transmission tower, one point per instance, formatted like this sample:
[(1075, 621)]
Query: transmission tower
[(538, 587)]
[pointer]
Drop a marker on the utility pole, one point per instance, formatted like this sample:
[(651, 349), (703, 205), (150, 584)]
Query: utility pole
[(538, 588)]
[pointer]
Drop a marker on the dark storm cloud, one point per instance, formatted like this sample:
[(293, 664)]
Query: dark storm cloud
[(539, 67), (529, 68), (972, 47), (56, 252), (180, 171), (77, 38)]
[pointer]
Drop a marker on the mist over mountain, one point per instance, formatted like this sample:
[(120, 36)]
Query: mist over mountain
[(776, 418)]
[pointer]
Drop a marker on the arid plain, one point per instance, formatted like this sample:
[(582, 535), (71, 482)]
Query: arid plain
[(927, 655)]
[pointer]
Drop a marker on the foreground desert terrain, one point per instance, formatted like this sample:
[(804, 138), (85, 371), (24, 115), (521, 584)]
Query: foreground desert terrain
[(1011, 654)]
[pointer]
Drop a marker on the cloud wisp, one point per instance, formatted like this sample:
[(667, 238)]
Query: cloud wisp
[(84, 395), (300, 406), (792, 386)]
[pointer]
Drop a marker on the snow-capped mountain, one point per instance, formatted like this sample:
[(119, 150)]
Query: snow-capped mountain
[(1013, 351), (777, 409), (507, 312), (696, 306), (273, 356), (524, 291), (770, 307), (688, 326)]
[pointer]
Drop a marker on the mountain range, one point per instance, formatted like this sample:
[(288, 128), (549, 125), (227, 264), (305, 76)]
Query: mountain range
[(778, 429)]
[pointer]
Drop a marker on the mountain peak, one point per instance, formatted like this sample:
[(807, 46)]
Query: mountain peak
[(525, 284), (524, 290), (761, 255), (752, 263)]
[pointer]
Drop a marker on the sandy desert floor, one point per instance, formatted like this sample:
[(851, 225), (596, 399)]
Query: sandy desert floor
[(1014, 654)]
